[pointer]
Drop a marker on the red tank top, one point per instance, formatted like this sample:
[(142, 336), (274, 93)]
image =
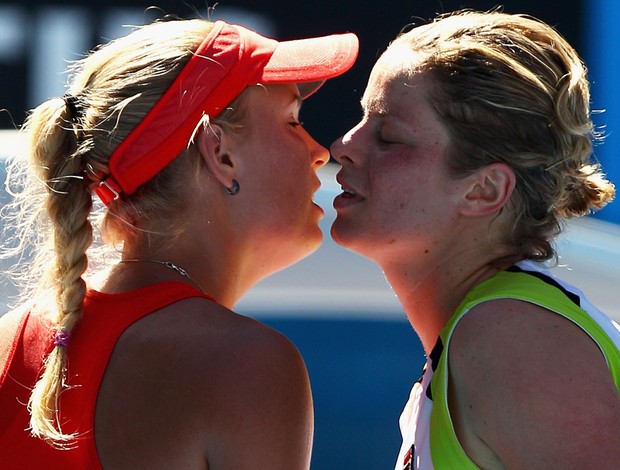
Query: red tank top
[(106, 317)]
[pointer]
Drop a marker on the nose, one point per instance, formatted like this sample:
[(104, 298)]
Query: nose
[(318, 153), (337, 148), (341, 147)]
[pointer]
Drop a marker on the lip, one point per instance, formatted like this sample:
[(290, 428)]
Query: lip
[(315, 187), (318, 208), (342, 202), (317, 184), (346, 187), (349, 195)]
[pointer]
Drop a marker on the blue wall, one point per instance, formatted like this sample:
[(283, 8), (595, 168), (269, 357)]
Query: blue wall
[(602, 55), (361, 374)]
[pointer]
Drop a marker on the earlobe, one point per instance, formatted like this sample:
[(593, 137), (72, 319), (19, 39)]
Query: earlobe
[(489, 190), (214, 147)]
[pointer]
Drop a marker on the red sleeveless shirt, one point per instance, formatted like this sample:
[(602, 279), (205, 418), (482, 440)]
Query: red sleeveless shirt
[(106, 317)]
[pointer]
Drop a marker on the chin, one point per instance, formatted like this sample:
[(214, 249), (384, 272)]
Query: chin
[(301, 246), (352, 240), (312, 242), (341, 235)]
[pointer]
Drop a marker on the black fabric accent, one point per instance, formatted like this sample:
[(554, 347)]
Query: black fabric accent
[(429, 392), (436, 353), (434, 357), (571, 296)]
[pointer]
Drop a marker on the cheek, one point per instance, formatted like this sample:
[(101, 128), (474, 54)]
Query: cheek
[(289, 187), (392, 185), (291, 178), (404, 200)]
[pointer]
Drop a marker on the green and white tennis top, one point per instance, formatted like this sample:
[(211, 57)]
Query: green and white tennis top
[(429, 439)]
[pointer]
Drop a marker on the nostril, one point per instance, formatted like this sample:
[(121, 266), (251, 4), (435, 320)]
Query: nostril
[(320, 156)]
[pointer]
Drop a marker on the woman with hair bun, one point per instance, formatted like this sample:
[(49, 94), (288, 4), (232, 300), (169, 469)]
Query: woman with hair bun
[(474, 147), (188, 131)]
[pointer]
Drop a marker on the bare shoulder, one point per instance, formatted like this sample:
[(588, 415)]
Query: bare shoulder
[(529, 382), (200, 380), (211, 337)]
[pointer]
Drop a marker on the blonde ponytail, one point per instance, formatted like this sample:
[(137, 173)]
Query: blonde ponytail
[(56, 161)]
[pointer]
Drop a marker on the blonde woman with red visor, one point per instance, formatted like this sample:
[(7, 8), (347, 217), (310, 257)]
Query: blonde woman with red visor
[(188, 131)]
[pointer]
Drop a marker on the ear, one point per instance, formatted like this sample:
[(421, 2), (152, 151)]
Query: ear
[(488, 190), (215, 147)]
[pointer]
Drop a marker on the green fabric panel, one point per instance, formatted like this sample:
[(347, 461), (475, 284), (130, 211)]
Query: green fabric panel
[(446, 451)]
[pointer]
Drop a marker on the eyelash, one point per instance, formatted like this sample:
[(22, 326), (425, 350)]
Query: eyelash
[(295, 123)]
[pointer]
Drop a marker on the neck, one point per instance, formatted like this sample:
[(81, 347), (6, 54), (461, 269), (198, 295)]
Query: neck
[(167, 264), (219, 273), (430, 294)]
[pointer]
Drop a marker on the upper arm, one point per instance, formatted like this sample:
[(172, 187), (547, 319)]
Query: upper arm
[(534, 388), (262, 417)]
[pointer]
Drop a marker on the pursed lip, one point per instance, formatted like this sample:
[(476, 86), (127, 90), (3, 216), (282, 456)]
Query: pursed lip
[(315, 187)]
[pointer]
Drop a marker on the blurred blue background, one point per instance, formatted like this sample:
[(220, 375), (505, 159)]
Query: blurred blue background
[(599, 45), (361, 353)]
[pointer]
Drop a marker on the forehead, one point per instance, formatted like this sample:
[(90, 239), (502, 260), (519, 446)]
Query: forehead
[(392, 89), (401, 101), (395, 66), (265, 98), (287, 93)]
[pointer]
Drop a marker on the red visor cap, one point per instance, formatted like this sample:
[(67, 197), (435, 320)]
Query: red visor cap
[(229, 59)]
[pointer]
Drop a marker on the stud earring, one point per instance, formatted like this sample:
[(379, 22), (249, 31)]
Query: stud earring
[(234, 189)]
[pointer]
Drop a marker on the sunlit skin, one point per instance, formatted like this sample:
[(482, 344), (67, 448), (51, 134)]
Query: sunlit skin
[(525, 384), (245, 401), (401, 207)]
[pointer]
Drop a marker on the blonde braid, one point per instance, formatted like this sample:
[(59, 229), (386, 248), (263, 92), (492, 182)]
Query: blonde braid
[(68, 206)]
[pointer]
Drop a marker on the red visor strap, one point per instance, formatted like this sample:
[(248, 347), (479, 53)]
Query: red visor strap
[(108, 191)]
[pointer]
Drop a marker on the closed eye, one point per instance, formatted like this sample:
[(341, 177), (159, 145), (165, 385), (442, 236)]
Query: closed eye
[(384, 141)]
